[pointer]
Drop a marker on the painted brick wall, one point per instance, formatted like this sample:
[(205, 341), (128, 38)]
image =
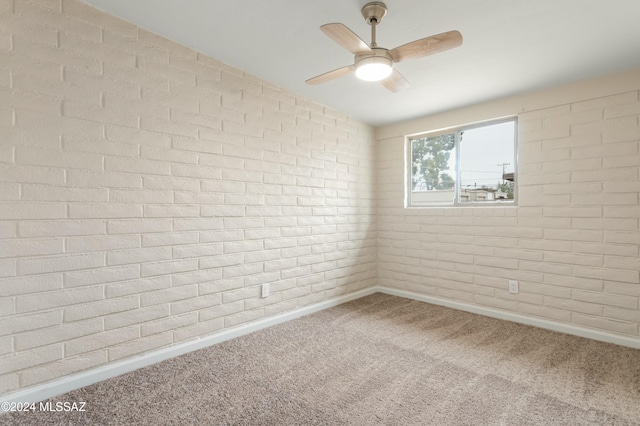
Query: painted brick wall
[(573, 241), (147, 191)]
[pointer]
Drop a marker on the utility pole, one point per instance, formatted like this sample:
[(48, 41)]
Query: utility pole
[(503, 167)]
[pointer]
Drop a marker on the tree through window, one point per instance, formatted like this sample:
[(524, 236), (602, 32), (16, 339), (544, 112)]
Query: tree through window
[(430, 164)]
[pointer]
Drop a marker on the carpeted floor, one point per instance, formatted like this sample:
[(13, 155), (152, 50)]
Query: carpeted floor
[(377, 360)]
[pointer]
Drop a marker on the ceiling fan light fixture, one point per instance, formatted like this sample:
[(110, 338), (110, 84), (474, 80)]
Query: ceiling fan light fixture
[(374, 68)]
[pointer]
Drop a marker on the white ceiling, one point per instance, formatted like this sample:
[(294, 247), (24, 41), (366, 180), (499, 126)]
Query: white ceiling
[(510, 46)]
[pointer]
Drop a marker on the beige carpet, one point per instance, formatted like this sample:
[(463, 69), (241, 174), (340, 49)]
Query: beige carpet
[(377, 360)]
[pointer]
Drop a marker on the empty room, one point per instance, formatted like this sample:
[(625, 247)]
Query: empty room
[(340, 212)]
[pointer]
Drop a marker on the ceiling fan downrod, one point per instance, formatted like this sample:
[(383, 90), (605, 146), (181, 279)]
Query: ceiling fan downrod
[(373, 13)]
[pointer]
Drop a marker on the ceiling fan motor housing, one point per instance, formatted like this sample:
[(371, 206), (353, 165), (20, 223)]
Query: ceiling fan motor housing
[(379, 52)]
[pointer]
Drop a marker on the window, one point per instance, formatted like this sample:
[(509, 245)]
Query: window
[(468, 165)]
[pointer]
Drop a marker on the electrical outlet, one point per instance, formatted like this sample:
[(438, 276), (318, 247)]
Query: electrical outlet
[(265, 290), (513, 286)]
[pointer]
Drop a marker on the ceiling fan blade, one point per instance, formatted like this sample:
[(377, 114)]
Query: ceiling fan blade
[(395, 82), (345, 38), (328, 76), (427, 46)]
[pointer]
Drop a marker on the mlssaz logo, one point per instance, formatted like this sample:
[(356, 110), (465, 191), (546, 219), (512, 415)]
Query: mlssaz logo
[(62, 406)]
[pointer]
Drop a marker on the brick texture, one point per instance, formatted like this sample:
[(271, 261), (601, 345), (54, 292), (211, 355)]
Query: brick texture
[(573, 241), (146, 191)]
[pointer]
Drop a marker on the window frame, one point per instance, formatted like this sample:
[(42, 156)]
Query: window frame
[(457, 130)]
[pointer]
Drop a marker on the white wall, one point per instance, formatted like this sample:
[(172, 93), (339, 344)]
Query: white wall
[(573, 240), (148, 191)]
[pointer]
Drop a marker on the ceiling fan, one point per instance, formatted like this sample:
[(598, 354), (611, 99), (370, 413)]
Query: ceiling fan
[(374, 63)]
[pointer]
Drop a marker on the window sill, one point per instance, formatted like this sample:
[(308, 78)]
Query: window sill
[(463, 206)]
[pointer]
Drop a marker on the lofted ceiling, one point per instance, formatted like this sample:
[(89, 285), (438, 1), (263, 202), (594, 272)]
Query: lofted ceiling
[(510, 46)]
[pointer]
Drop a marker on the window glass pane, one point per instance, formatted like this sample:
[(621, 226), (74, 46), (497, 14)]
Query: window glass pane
[(433, 161), (487, 163)]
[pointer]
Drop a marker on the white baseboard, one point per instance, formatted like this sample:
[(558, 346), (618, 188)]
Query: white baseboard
[(86, 378), (513, 317)]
